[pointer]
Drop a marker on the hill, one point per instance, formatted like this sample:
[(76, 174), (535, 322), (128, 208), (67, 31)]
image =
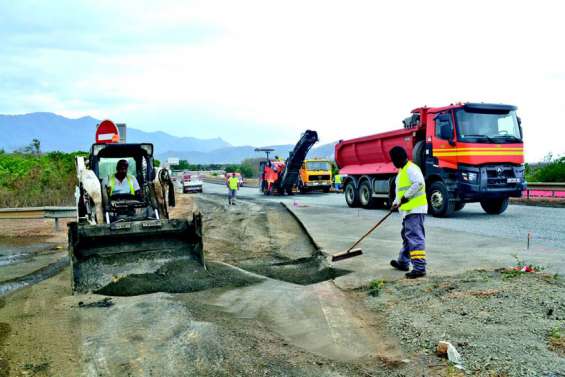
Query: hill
[(58, 133)]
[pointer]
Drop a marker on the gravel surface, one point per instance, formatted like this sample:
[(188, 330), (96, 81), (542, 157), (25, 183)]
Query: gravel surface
[(501, 326)]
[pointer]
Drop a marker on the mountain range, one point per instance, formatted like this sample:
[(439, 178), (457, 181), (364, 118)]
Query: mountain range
[(58, 133)]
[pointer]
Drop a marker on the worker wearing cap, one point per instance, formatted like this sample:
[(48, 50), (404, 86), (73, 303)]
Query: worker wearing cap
[(412, 203), (233, 186), (121, 182)]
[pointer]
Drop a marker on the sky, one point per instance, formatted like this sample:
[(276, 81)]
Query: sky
[(261, 72)]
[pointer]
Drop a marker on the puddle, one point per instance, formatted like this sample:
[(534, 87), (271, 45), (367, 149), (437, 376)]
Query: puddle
[(22, 256)]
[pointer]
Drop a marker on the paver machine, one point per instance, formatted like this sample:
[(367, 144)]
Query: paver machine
[(278, 176), (116, 235)]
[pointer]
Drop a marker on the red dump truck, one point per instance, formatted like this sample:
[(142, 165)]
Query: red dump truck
[(471, 152)]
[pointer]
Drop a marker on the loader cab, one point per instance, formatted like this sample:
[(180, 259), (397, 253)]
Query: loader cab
[(103, 159)]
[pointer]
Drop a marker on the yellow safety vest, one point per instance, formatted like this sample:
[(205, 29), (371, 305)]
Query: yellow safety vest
[(337, 178), (404, 183), (113, 184), (233, 182)]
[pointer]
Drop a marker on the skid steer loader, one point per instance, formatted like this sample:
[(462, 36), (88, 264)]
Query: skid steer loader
[(122, 234)]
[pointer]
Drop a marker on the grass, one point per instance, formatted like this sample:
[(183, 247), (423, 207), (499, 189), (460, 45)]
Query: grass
[(375, 287), (518, 269), (557, 340)]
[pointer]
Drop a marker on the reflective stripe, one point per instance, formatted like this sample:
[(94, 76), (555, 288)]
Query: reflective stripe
[(113, 184), (418, 254), (404, 183)]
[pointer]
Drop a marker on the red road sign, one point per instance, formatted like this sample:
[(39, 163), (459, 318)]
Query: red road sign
[(107, 132)]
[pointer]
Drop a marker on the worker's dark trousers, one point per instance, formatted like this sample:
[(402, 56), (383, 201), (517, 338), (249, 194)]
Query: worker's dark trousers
[(413, 242)]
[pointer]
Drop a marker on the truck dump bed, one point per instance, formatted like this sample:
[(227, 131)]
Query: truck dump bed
[(369, 154)]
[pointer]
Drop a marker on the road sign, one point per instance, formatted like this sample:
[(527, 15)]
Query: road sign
[(173, 161), (107, 132)]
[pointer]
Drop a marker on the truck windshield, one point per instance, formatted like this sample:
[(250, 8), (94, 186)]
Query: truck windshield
[(317, 165), (479, 127)]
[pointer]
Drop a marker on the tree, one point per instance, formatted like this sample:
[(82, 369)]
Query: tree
[(232, 168), (250, 167)]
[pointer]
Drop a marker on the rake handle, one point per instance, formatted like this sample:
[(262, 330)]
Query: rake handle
[(370, 231)]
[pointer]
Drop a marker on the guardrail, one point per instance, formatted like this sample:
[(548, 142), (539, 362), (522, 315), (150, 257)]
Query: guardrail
[(545, 190), (54, 213)]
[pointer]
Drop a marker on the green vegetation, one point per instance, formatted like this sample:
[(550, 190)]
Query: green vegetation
[(30, 178), (375, 287), (552, 169)]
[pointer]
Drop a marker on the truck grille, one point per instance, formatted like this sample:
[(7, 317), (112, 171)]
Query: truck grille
[(497, 176), (319, 177)]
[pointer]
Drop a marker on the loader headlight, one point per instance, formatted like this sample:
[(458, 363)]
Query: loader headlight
[(469, 176)]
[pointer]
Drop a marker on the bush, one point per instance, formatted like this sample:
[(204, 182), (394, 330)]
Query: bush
[(34, 179), (551, 170)]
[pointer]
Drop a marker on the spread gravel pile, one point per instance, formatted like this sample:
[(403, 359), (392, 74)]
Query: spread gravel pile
[(502, 324)]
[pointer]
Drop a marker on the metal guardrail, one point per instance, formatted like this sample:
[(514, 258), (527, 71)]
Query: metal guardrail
[(55, 213)]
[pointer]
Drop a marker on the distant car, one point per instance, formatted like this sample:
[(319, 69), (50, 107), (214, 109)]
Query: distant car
[(191, 183)]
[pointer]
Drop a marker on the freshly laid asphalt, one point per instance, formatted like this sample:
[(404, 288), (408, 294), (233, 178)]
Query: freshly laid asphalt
[(469, 240)]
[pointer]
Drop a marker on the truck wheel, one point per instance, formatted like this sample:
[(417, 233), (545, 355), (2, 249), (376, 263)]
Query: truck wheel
[(494, 206), (351, 196), (459, 206), (365, 195), (439, 204), (326, 189), (301, 187)]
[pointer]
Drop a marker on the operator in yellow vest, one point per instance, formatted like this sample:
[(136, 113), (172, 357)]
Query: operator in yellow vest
[(412, 204), (233, 186), (121, 182)]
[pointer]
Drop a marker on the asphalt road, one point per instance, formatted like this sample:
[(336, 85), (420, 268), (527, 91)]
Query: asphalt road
[(546, 225)]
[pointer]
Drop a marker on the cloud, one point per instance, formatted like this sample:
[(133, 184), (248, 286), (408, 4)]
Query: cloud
[(261, 72)]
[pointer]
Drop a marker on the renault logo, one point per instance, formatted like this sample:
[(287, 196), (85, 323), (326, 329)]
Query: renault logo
[(499, 171)]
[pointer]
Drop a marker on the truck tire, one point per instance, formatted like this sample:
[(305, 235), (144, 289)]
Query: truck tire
[(351, 195), (494, 206), (301, 187), (327, 189), (418, 155), (439, 204), (366, 199)]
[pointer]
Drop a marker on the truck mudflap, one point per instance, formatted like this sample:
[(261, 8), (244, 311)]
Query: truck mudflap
[(102, 254)]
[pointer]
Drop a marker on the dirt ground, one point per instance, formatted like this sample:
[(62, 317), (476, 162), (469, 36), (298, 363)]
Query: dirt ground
[(248, 316)]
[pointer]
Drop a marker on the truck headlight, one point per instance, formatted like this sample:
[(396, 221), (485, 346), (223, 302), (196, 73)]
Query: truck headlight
[(469, 176)]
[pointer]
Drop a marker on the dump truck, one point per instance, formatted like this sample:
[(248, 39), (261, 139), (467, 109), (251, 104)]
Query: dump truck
[(468, 152), (277, 176), (115, 235), (315, 174)]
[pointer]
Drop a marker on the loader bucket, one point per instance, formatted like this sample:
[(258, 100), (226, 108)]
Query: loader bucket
[(105, 253)]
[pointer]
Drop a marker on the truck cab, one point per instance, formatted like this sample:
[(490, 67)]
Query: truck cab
[(473, 153), (315, 174)]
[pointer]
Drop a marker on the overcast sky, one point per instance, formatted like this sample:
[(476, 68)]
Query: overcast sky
[(260, 72)]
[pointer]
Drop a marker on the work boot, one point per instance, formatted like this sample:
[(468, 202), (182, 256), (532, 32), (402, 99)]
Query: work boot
[(398, 266), (415, 274)]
